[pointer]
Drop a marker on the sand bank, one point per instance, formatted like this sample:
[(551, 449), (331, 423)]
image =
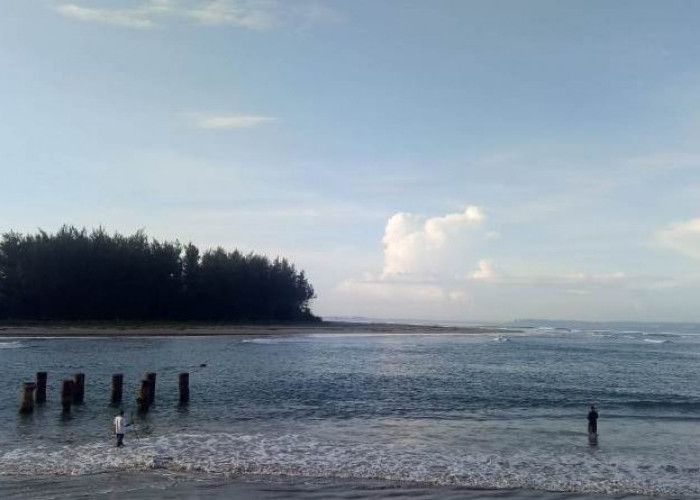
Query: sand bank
[(168, 330)]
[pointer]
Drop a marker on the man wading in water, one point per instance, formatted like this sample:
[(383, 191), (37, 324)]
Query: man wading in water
[(120, 426), (593, 424)]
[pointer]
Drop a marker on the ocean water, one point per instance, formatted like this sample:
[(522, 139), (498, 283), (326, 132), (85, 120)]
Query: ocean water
[(482, 412)]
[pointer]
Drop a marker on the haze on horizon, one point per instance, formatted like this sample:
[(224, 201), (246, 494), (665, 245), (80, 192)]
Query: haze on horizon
[(446, 159)]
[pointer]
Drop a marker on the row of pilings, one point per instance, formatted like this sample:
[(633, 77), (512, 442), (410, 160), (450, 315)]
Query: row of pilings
[(73, 391)]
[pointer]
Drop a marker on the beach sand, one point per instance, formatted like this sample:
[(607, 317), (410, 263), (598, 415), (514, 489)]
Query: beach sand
[(175, 329), (156, 485)]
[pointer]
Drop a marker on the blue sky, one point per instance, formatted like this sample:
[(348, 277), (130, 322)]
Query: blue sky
[(464, 160)]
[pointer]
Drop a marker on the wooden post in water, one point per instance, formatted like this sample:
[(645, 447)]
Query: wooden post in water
[(40, 396), (143, 399), (117, 385), (26, 404), (78, 387), (184, 386), (151, 377), (67, 395)]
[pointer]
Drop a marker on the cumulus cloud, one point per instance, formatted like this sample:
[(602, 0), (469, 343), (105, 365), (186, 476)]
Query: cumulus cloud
[(231, 121), (427, 260), (418, 246), (247, 14), (441, 266), (683, 237)]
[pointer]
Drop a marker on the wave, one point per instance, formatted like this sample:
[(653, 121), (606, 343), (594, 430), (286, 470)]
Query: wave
[(275, 340), (294, 455), (658, 341), (15, 344), (393, 334)]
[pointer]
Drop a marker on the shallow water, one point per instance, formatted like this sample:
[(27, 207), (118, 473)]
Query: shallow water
[(495, 412)]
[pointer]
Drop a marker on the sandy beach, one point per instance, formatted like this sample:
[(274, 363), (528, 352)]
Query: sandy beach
[(175, 329), (155, 485)]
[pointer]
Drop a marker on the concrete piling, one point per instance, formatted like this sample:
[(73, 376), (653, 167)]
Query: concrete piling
[(73, 391), (143, 398), (117, 387), (78, 387), (26, 404), (67, 395), (184, 386), (151, 377), (40, 396)]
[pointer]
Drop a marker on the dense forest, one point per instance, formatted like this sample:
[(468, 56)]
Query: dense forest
[(80, 275)]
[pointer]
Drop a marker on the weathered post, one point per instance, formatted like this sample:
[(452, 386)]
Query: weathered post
[(184, 386), (67, 395), (151, 377), (143, 399), (26, 404), (40, 396), (117, 385), (78, 387)]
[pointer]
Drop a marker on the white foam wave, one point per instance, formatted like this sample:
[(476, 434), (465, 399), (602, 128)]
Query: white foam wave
[(657, 341), (16, 344), (663, 334), (295, 455), (275, 340), (385, 334)]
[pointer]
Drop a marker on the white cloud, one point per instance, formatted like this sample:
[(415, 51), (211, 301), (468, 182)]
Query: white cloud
[(138, 18), (684, 237), (425, 261), (231, 121), (397, 292), (252, 15), (248, 14), (562, 279), (414, 245), (440, 267), (484, 272)]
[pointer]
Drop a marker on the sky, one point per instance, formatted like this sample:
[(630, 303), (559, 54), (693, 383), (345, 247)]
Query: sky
[(442, 160)]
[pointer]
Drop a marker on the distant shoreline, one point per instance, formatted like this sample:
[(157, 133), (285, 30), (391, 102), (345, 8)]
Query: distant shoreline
[(203, 330)]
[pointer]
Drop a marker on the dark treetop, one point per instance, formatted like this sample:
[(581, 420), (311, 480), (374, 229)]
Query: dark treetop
[(76, 275)]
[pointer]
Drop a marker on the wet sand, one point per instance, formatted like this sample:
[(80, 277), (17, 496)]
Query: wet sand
[(156, 485), (169, 330)]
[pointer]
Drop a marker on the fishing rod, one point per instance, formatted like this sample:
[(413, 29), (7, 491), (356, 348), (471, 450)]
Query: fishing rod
[(134, 426)]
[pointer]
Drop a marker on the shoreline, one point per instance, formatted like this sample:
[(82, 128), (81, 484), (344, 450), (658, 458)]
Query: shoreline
[(176, 330)]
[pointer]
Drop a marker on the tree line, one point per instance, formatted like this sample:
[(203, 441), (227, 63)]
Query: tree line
[(79, 275)]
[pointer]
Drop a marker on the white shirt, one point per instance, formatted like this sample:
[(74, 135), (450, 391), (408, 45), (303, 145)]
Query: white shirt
[(119, 425)]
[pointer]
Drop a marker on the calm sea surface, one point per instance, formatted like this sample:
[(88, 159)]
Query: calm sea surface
[(478, 411)]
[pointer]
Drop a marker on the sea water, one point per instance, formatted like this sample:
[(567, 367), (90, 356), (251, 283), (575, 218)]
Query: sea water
[(501, 411)]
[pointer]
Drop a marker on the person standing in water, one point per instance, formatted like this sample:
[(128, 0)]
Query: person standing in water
[(120, 426), (593, 421)]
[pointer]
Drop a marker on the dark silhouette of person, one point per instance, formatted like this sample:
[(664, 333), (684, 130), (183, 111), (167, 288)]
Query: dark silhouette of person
[(593, 420)]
